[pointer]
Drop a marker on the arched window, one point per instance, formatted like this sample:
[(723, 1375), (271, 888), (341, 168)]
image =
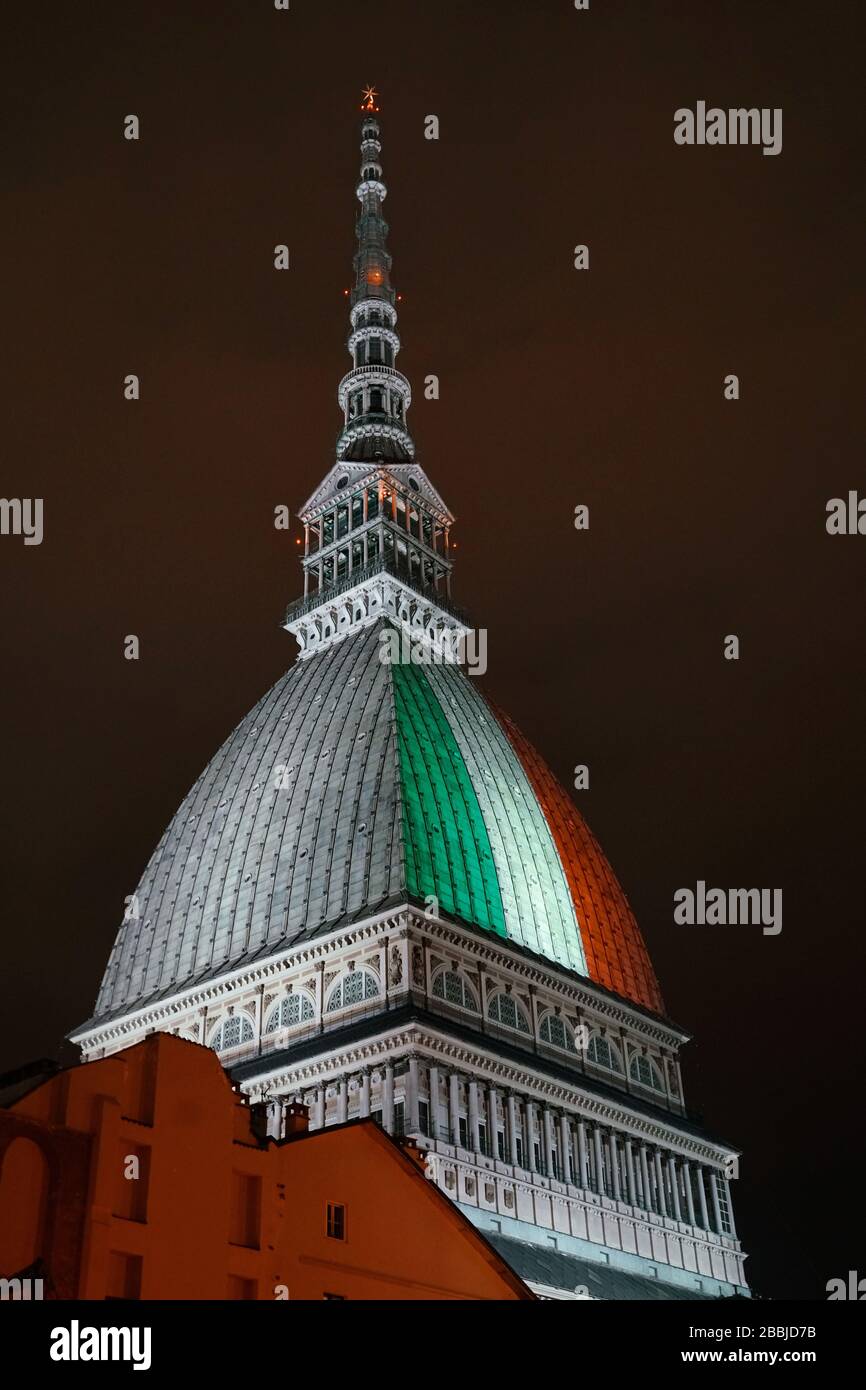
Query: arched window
[(603, 1053), (556, 1031), (232, 1033), (451, 987), (645, 1072), (504, 1009), (352, 989), (294, 1009)]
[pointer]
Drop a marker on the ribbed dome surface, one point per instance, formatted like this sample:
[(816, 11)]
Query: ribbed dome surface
[(354, 784)]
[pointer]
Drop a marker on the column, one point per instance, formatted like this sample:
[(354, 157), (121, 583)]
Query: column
[(630, 1174), (714, 1194), (454, 1106), (675, 1196), (474, 1136), (660, 1183), (565, 1147), (412, 1097), (548, 1142), (320, 1108), (434, 1085), (365, 1093), (388, 1099), (513, 1131), (599, 1160), (493, 1121), (614, 1165), (343, 1102), (582, 1154), (644, 1172), (690, 1201), (530, 1138), (702, 1198)]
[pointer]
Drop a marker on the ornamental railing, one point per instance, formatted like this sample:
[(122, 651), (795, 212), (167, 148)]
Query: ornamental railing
[(382, 565)]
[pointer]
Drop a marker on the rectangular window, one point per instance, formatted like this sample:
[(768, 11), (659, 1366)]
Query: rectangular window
[(500, 1144), (335, 1221), (463, 1134), (123, 1276), (424, 1117), (482, 1138), (519, 1152), (245, 1210), (133, 1175), (377, 1116), (399, 1117), (241, 1290), (724, 1206)]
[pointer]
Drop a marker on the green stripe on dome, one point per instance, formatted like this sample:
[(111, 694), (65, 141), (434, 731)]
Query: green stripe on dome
[(446, 842), (537, 903)]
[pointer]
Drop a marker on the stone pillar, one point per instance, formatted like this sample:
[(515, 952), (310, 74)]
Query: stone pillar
[(599, 1161), (714, 1194), (513, 1130), (434, 1089), (343, 1103), (582, 1157), (660, 1183), (320, 1108), (630, 1175), (493, 1120), (614, 1165), (388, 1098), (644, 1172), (690, 1201), (565, 1146), (412, 1097), (548, 1142), (474, 1136), (675, 1196), (454, 1106), (365, 1093), (702, 1198), (529, 1108)]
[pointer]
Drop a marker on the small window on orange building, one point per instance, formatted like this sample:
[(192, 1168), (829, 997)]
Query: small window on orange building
[(123, 1275), (133, 1176), (242, 1290), (245, 1216), (336, 1221)]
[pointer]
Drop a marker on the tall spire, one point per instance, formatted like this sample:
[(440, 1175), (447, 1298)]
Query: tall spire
[(376, 531), (373, 396)]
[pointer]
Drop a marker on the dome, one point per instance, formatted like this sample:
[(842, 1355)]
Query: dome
[(355, 785)]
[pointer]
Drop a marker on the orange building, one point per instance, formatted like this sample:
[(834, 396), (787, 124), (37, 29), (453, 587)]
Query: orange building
[(145, 1175)]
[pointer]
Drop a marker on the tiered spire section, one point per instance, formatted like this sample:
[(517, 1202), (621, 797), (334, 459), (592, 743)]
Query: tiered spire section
[(376, 531), (374, 396)]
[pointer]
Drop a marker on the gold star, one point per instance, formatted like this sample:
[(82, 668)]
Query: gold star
[(369, 103)]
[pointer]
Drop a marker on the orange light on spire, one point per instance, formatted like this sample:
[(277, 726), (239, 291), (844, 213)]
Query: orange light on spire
[(369, 103)]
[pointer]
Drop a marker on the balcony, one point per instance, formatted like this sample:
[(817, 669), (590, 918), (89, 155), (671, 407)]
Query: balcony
[(381, 565)]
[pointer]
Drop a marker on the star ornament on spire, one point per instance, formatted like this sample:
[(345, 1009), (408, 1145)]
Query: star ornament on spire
[(369, 103)]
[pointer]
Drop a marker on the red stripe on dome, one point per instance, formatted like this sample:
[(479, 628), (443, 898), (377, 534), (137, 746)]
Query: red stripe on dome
[(616, 954)]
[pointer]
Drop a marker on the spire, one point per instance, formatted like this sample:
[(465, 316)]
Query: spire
[(376, 531), (373, 396)]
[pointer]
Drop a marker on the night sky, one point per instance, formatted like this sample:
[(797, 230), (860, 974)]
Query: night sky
[(558, 387)]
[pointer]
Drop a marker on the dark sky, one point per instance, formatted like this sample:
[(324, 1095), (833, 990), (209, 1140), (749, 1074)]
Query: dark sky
[(557, 387)]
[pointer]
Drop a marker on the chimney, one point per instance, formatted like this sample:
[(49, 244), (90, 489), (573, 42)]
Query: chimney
[(296, 1119)]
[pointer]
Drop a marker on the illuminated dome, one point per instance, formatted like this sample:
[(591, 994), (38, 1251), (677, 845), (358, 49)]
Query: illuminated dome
[(352, 786)]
